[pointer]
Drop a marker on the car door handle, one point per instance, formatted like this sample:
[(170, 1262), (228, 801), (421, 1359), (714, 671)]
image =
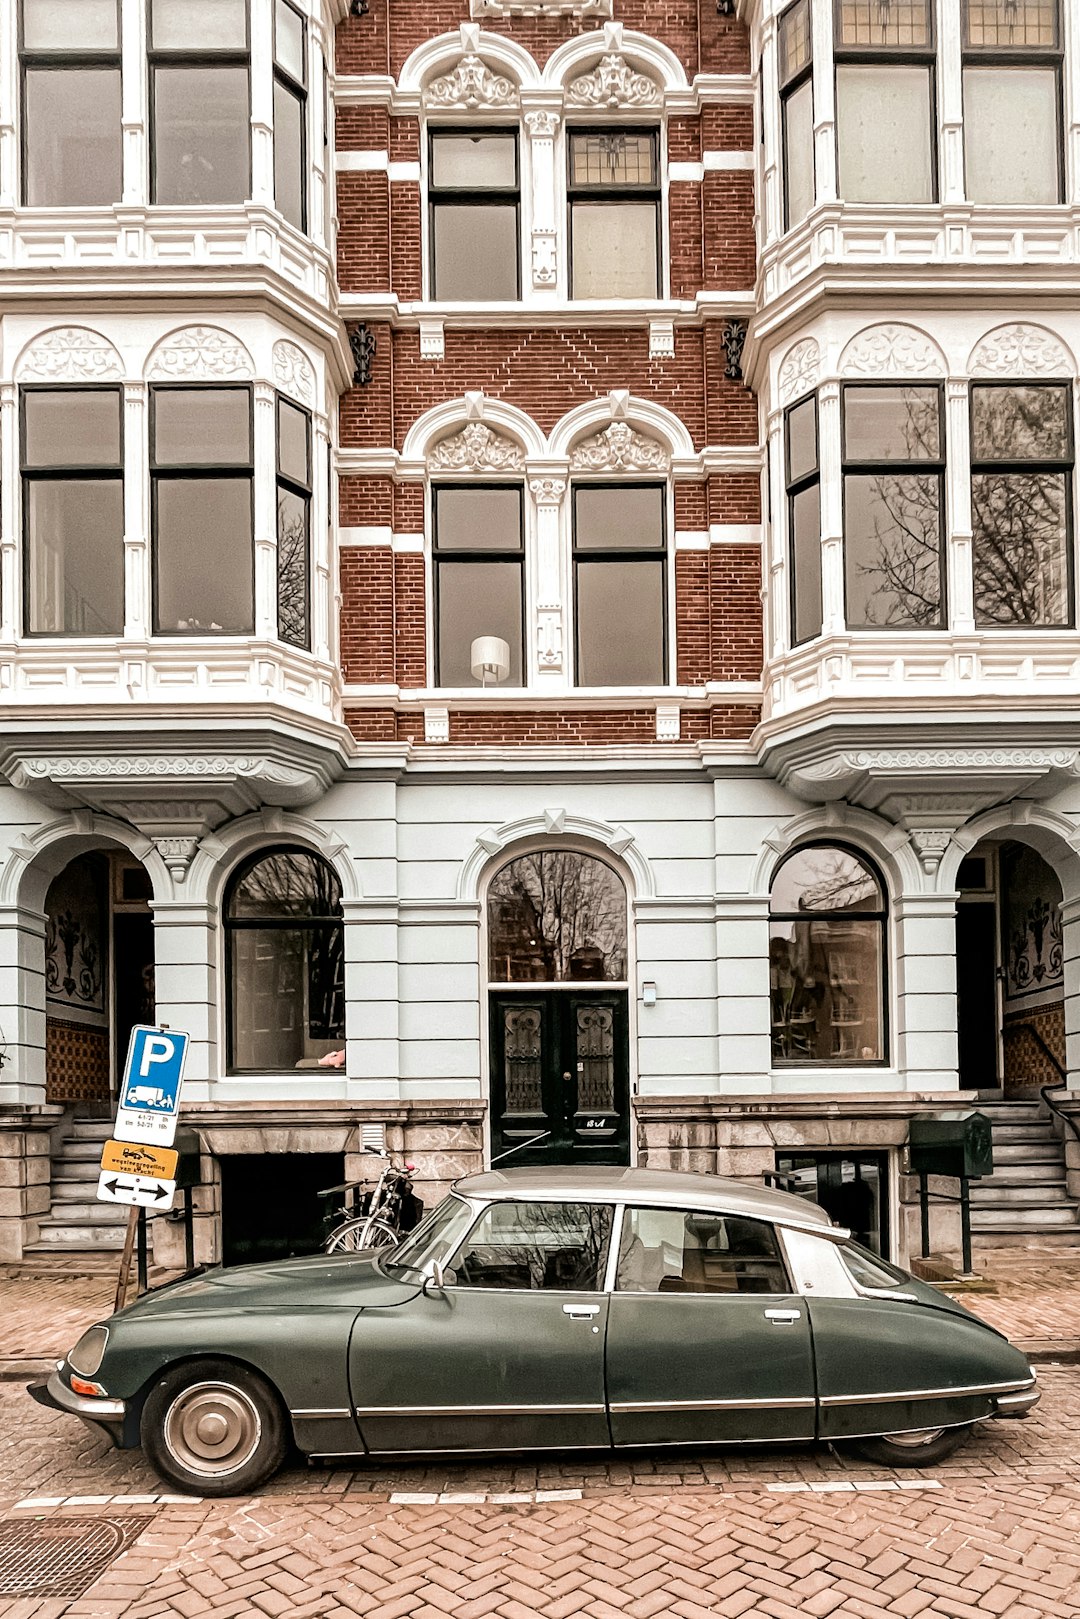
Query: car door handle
[(783, 1316), (581, 1312)]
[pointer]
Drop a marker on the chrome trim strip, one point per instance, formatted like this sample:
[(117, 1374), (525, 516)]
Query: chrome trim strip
[(320, 1413), (1011, 1404), (713, 1405), (81, 1406), (479, 1410), (923, 1394), (615, 1243)]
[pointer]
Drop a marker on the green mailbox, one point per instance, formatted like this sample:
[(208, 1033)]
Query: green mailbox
[(957, 1143)]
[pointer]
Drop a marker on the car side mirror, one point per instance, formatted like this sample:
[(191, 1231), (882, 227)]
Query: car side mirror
[(436, 1282)]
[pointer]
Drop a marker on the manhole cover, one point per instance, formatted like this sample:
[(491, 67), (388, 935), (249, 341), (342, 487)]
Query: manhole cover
[(60, 1557)]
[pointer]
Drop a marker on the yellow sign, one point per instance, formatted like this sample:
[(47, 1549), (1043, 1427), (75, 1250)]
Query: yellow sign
[(135, 1158)]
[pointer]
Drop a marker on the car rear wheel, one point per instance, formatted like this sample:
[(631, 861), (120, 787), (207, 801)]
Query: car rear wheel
[(922, 1447), (212, 1428)]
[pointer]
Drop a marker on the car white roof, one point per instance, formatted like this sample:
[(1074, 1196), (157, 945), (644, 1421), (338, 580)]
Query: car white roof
[(662, 1188)]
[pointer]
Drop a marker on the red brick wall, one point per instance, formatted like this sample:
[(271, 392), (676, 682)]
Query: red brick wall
[(575, 728)]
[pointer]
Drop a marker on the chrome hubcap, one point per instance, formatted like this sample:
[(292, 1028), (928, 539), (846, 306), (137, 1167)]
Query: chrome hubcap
[(915, 1439), (212, 1429)]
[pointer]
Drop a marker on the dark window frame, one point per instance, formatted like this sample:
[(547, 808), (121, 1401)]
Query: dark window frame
[(892, 56), (937, 467), (298, 88), (1065, 465), (465, 554), (193, 471), (659, 553), (780, 1260), (68, 471), (283, 481), (74, 61), (231, 925), (1049, 56), (171, 56), (792, 488), (788, 86), (472, 197), (615, 196), (869, 914)]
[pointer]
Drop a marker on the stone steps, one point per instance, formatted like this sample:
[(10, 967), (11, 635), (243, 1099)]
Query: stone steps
[(77, 1223), (1026, 1200)]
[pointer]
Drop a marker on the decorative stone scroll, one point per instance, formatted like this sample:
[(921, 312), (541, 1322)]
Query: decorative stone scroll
[(293, 373), (197, 352), (619, 448), (892, 351), (476, 448), (1020, 350), (930, 843), (614, 83), (472, 84), (800, 370), (70, 354)]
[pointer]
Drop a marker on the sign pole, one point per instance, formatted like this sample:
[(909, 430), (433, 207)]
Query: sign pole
[(125, 1260)]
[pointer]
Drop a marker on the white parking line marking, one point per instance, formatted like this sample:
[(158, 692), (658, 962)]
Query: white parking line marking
[(404, 1499), (462, 1499), (559, 1495), (40, 1501)]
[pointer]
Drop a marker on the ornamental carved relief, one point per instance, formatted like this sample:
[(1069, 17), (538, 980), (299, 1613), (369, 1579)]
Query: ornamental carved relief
[(1020, 350), (892, 350), (619, 448), (476, 448), (543, 258), (292, 372), (800, 369), (472, 84), (542, 125), (613, 83), (199, 352), (71, 354)]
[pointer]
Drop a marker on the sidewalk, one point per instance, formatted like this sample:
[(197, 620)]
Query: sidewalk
[(1032, 1295)]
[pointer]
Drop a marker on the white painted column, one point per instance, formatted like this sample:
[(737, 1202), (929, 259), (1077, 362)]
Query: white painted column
[(924, 945), (137, 592), (9, 129), (135, 96), (832, 510), (950, 103), (824, 102), (262, 102), (778, 605), (958, 529), (542, 270), (372, 1036), (321, 545), (186, 945), (22, 1006), (552, 629), (320, 154), (10, 589), (772, 191), (743, 1046), (265, 512)]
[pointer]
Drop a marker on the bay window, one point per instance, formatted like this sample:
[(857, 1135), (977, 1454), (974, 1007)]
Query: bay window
[(1021, 503), (894, 476), (620, 567), (293, 523), (474, 198), (202, 480), (199, 102), (803, 482), (290, 114), (797, 110), (478, 557), (614, 197), (1012, 101), (71, 90), (885, 100)]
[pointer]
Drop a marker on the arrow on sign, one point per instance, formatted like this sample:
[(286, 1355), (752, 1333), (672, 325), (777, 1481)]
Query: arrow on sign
[(155, 1191)]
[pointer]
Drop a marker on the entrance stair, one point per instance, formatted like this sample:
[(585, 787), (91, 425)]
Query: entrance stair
[(1024, 1203), (77, 1223)]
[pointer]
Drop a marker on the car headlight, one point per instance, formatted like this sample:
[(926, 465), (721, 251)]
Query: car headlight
[(89, 1352)]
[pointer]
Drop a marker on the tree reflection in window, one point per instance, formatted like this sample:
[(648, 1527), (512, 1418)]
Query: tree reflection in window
[(286, 963), (557, 917), (826, 959)]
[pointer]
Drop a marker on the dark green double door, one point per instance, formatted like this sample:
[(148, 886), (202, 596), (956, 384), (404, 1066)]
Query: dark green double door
[(560, 1072)]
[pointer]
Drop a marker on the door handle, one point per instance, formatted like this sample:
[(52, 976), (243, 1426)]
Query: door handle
[(782, 1317), (581, 1312)]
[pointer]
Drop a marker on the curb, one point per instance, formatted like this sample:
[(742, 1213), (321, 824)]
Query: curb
[(1053, 1351), (14, 1371)]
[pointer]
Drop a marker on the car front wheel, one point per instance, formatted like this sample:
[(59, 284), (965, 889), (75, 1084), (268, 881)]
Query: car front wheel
[(212, 1428), (922, 1447)]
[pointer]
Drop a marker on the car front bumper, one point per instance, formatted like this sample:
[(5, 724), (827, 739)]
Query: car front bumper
[(1017, 1405), (105, 1414)]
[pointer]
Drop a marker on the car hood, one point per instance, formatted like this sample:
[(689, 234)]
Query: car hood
[(349, 1281)]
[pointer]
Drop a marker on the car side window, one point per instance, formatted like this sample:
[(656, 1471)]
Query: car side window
[(679, 1251), (560, 1247)]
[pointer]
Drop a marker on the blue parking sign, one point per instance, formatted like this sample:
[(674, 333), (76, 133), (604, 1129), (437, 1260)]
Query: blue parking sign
[(150, 1091)]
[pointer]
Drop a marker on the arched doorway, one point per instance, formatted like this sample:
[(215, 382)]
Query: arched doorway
[(559, 1015)]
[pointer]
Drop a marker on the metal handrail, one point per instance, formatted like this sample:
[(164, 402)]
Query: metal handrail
[(1044, 1090)]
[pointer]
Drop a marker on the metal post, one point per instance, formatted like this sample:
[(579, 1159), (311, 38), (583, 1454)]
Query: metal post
[(189, 1231), (965, 1222), (924, 1213), (142, 1251)]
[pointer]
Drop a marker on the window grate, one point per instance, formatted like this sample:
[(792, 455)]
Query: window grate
[(1015, 23), (61, 1557), (884, 22)]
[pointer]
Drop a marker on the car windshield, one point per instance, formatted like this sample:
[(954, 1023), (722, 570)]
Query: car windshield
[(437, 1234), (868, 1269)]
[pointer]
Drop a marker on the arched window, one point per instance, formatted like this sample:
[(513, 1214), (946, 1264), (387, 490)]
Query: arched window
[(827, 958), (556, 916), (285, 961)]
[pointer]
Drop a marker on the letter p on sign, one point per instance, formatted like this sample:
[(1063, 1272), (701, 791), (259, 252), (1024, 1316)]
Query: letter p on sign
[(157, 1048)]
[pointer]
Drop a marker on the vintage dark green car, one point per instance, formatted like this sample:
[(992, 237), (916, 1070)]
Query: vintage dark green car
[(539, 1309)]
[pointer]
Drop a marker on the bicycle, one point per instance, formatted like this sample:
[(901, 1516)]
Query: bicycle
[(373, 1215)]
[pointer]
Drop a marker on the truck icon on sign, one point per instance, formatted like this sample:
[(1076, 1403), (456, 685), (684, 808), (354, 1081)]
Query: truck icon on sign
[(148, 1096)]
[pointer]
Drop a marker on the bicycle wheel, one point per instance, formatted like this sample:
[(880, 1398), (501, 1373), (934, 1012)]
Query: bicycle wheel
[(353, 1236)]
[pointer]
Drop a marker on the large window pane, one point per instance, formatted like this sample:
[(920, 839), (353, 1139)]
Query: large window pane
[(289, 154), (476, 251), (557, 916), (293, 447), (1011, 134), (75, 564), (620, 518), (614, 250), (202, 426), (72, 136), (550, 1246), (70, 25), (826, 878), (204, 555), (200, 135), (799, 153), (1021, 548), (199, 25), (288, 883), (892, 424), (892, 545), (1017, 423), (826, 988), (802, 451), (287, 996), (600, 158), (806, 552), (289, 40), (72, 428), (620, 623), (672, 1251), (478, 519), (473, 162), (477, 599), (292, 568), (883, 132)]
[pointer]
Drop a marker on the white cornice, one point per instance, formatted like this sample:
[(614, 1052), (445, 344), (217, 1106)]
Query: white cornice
[(387, 462), (738, 303), (706, 90)]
